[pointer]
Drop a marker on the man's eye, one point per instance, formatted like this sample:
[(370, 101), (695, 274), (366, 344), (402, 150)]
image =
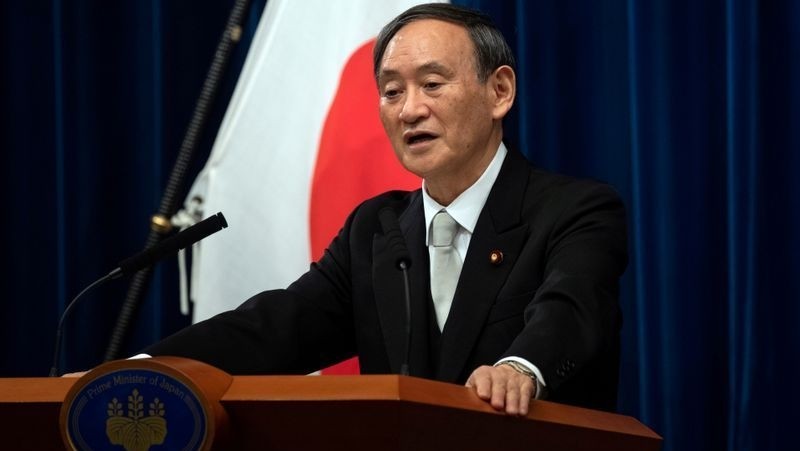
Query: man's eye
[(391, 93), (432, 85)]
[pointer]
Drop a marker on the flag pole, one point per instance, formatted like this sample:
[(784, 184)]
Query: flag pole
[(160, 224)]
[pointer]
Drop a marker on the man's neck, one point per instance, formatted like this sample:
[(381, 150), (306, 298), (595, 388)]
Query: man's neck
[(466, 208), (445, 190)]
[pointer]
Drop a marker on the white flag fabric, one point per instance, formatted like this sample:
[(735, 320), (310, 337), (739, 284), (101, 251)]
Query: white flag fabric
[(299, 147)]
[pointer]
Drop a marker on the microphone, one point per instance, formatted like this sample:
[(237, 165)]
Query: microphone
[(170, 246), (397, 246), (148, 257)]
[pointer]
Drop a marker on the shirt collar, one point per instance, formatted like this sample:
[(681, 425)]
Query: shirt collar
[(466, 208)]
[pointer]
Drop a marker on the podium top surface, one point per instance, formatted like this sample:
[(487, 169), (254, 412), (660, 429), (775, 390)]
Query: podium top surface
[(410, 412), (417, 391)]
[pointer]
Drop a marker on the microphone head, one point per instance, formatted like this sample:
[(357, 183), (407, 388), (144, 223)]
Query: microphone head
[(171, 245), (223, 224)]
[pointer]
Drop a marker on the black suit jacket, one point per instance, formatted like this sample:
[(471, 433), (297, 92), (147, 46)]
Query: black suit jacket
[(553, 299)]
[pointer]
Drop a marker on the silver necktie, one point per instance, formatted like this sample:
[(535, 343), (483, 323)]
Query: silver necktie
[(446, 265)]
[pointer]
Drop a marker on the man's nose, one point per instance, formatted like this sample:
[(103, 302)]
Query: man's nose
[(414, 107)]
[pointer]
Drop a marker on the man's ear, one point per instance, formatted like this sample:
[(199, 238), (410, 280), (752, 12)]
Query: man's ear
[(503, 86)]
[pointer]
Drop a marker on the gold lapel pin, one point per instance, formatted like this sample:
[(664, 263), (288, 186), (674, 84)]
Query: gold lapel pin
[(495, 257)]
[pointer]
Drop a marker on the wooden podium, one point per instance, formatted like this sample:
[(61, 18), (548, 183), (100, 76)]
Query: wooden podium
[(341, 412)]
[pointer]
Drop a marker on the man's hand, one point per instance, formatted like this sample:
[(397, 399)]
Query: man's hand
[(503, 387), (78, 374)]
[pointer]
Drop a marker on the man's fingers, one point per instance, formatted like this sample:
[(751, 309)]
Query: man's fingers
[(519, 391), (498, 392), (523, 396), (504, 388), (512, 398), (482, 382), (524, 402)]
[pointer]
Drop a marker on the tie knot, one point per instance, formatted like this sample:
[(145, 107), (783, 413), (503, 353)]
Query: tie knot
[(444, 229)]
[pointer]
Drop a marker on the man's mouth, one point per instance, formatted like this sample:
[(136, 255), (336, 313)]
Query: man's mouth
[(419, 138)]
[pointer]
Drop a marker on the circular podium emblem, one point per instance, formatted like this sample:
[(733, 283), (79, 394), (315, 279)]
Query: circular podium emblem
[(135, 405)]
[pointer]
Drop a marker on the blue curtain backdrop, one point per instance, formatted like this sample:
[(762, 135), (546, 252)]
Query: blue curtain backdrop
[(95, 100), (691, 109)]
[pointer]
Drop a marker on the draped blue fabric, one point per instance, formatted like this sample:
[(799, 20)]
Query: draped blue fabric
[(95, 98), (690, 109)]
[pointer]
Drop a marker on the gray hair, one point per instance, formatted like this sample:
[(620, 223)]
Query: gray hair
[(491, 48)]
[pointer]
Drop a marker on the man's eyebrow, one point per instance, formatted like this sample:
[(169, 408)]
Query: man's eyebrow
[(434, 67), (386, 73)]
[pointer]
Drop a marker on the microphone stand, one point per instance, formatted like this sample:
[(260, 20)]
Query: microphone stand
[(160, 224), (54, 370), (404, 367), (144, 259)]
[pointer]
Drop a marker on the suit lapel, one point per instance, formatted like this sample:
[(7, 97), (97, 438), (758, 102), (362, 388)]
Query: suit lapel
[(498, 229), (390, 292)]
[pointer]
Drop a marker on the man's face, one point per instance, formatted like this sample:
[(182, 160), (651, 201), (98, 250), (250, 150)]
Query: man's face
[(438, 116)]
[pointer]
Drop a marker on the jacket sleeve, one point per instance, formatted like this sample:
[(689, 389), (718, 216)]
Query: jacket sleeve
[(571, 326), (297, 330)]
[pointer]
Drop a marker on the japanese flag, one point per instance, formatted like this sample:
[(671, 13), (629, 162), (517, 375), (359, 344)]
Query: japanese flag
[(300, 146)]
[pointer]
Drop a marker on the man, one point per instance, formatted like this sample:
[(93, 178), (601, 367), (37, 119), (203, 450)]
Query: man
[(514, 280)]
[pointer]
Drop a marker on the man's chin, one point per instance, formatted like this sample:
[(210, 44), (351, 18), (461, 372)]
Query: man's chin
[(420, 167)]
